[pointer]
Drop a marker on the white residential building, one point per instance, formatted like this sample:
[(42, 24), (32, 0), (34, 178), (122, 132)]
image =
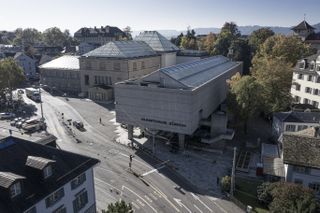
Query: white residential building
[(28, 64), (306, 81), (43, 179)]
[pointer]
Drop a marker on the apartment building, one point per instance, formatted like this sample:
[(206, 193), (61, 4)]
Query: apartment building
[(27, 63), (41, 179), (306, 81), (116, 61)]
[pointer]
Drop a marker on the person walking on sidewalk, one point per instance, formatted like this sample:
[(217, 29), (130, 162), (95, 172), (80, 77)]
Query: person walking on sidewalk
[(100, 120)]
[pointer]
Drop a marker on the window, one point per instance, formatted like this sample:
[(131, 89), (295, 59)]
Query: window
[(47, 171), (102, 66), (302, 127), (300, 76), (61, 209), (312, 66), (86, 79), (315, 91), (54, 197), (80, 201), (306, 101), (301, 65), (88, 65), (290, 128), (297, 99), (309, 77), (301, 169), (315, 104), (298, 87), (298, 181), (318, 67), (116, 66), (318, 79), (315, 186), (142, 65), (134, 66), (31, 210), (78, 181), (308, 90), (15, 189)]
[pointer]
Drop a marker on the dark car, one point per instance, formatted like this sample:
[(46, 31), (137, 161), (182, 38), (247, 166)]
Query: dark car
[(79, 125)]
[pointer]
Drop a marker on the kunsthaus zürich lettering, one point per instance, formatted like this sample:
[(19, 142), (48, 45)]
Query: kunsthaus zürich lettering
[(171, 123)]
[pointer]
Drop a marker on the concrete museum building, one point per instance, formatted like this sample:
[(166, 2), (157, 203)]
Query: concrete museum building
[(178, 98)]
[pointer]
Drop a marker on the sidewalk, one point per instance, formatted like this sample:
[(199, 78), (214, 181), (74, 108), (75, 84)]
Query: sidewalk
[(198, 167)]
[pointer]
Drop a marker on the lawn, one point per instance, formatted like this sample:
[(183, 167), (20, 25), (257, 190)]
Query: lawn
[(246, 192)]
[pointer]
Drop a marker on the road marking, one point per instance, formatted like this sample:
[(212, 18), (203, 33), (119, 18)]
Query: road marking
[(107, 170), (142, 204), (135, 205), (197, 198), (156, 193), (212, 198), (220, 207), (164, 196), (147, 198), (197, 208), (152, 196), (181, 204), (124, 187), (152, 171), (107, 184)]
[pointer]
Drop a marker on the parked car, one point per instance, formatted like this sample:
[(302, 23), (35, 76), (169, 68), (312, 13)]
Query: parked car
[(14, 121), (19, 124), (7, 115), (79, 125)]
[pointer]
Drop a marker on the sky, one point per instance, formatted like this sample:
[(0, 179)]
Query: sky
[(154, 14)]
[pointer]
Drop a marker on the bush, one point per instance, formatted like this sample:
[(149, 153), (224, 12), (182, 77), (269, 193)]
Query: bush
[(119, 207), (264, 193), (226, 184)]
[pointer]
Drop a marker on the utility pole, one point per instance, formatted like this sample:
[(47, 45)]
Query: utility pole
[(41, 102), (233, 171), (130, 161)]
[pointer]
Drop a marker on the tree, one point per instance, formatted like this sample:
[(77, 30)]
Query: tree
[(264, 193), (245, 94), (228, 34), (189, 41), (118, 207), (288, 197), (258, 37), (232, 28), (289, 48), (11, 75), (274, 75), (55, 37), (208, 43), (127, 30), (241, 52), (28, 36)]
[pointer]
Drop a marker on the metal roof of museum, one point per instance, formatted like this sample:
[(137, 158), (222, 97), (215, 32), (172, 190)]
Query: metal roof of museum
[(156, 41), (196, 73), (68, 62), (122, 49)]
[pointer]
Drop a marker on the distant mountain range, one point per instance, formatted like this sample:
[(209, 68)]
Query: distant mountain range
[(245, 30)]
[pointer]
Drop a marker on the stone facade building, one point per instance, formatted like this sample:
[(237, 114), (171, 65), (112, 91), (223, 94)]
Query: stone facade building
[(62, 75), (114, 62)]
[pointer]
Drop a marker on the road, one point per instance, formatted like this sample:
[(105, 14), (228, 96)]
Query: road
[(150, 186)]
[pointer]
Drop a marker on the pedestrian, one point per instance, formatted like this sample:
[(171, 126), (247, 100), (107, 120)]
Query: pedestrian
[(100, 120), (218, 181)]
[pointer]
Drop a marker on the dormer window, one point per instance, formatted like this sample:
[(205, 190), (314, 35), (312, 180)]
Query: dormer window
[(318, 67), (312, 66), (302, 65), (15, 189), (47, 171)]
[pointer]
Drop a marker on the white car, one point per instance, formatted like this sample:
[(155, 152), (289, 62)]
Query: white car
[(7, 115)]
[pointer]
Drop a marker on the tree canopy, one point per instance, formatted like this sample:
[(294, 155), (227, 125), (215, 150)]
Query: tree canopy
[(55, 37), (118, 207), (28, 36), (258, 37), (244, 97), (11, 74), (287, 197)]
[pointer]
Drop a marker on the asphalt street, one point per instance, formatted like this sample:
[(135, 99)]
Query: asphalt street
[(150, 186)]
